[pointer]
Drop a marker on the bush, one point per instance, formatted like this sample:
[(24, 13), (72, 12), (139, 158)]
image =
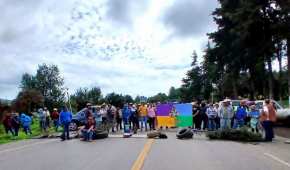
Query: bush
[(242, 135)]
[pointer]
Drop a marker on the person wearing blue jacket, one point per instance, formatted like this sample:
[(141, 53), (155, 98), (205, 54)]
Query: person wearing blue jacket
[(26, 123), (65, 118), (240, 115), (126, 114)]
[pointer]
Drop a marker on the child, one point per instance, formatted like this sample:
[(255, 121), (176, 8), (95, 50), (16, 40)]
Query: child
[(254, 114), (26, 122)]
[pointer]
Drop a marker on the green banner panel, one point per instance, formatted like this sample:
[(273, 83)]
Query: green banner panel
[(184, 121)]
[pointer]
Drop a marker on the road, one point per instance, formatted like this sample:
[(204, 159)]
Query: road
[(116, 153)]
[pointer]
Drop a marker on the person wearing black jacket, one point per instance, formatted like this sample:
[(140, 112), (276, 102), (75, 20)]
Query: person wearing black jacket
[(203, 115), (15, 122), (196, 115)]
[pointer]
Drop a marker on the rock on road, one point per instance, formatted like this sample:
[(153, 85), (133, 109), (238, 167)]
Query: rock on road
[(118, 153)]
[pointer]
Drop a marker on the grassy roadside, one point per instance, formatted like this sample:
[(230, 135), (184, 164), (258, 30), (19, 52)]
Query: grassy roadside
[(4, 138)]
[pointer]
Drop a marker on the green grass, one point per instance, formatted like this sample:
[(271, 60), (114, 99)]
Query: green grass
[(4, 138)]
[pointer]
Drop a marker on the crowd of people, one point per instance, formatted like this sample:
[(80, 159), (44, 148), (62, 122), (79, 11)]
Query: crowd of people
[(134, 117), (224, 116), (130, 116), (12, 122)]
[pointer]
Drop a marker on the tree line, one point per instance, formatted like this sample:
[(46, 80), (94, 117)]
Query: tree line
[(238, 59), (46, 89)]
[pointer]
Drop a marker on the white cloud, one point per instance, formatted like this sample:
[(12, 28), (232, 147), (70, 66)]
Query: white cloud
[(129, 50)]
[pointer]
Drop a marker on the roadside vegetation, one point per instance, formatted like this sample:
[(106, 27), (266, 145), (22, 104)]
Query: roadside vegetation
[(36, 132)]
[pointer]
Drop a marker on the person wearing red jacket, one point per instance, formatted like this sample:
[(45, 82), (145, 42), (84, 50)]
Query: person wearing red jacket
[(7, 123), (55, 118)]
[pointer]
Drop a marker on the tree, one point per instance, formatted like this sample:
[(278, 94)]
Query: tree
[(27, 100), (115, 99), (28, 82), (192, 86), (160, 97), (128, 99), (83, 96), (174, 94), (48, 82)]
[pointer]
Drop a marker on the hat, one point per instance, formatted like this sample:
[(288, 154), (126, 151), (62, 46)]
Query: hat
[(55, 109), (89, 104), (226, 100)]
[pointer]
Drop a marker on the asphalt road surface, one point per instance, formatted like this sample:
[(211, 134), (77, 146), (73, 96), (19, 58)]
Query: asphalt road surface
[(117, 153)]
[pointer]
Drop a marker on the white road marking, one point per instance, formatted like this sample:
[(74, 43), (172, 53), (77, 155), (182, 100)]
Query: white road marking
[(277, 159), (25, 146)]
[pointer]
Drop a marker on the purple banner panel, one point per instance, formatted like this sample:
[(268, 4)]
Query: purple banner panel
[(164, 109)]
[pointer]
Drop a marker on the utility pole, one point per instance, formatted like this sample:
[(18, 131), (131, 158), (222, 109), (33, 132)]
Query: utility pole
[(68, 98)]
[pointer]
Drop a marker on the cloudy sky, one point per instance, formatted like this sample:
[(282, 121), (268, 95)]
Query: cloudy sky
[(136, 47)]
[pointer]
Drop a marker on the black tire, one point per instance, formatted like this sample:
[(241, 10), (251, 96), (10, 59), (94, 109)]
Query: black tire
[(153, 134), (184, 133), (163, 136), (100, 135), (73, 126)]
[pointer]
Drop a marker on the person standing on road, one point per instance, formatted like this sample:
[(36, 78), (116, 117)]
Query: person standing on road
[(212, 114), (7, 122), (47, 114), (119, 119), (204, 118), (143, 116), (88, 111), (98, 117), (268, 117), (226, 113), (26, 123), (126, 116), (42, 121), (151, 116), (240, 116), (65, 118), (15, 122), (55, 119), (254, 115), (134, 117), (111, 115), (104, 113), (196, 115), (217, 119)]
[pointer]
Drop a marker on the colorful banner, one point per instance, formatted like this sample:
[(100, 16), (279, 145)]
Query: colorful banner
[(166, 121), (183, 109), (164, 109), (184, 121), (177, 115)]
